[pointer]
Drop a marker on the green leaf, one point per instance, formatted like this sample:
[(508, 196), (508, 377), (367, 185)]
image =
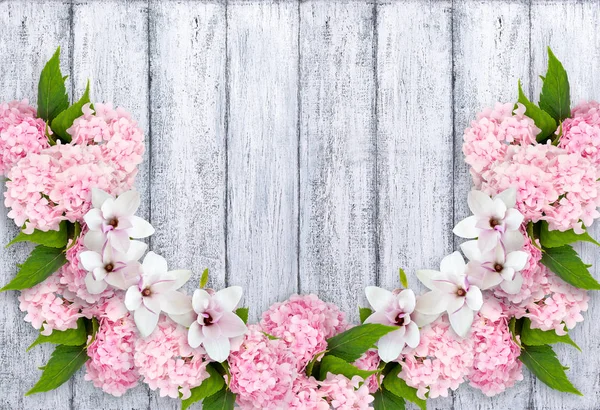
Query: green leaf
[(555, 239), (542, 361), (364, 314), (538, 337), (403, 279), (63, 364), (243, 314), (73, 230), (64, 120), (335, 365), (542, 119), (353, 343), (42, 262), (533, 231), (210, 386), (565, 262), (69, 337), (221, 400), (555, 98), (52, 93), (52, 239), (386, 400), (399, 387), (204, 278)]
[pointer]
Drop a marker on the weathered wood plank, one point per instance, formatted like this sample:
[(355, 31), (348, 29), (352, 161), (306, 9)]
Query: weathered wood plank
[(337, 151), (187, 122), (29, 35), (491, 52), (414, 140), (262, 151), (570, 29), (111, 49)]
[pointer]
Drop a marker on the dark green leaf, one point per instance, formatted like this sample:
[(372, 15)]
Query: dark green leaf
[(533, 231), (243, 314), (542, 361), (538, 337), (69, 337), (209, 386), (353, 343), (386, 400), (542, 119), (565, 262), (51, 239), (555, 239), (555, 98), (221, 400), (63, 364), (74, 230), (64, 120), (403, 279), (335, 365), (42, 263), (364, 314), (399, 387), (52, 93), (204, 278)]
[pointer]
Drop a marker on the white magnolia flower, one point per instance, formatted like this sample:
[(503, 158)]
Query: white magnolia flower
[(393, 309), (216, 326), (156, 292), (450, 292), (114, 220), (500, 266), (110, 267), (491, 218)]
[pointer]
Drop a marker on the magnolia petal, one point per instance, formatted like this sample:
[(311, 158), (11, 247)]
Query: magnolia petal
[(378, 317), (108, 208), (461, 321), (453, 264), (154, 265), (136, 251), (454, 302), (99, 197), (217, 349), (509, 197), (99, 273), (175, 303), (407, 300), (471, 250), (513, 241), (517, 260), (91, 260), (378, 298), (513, 287), (487, 241), (139, 228), (127, 203), (212, 332), (94, 287), (474, 298), (195, 336), (412, 337), (490, 280), (513, 219), (232, 325), (153, 302), (507, 273), (118, 280), (467, 228), (145, 321), (479, 203), (390, 346), (186, 319), (94, 219), (200, 300), (119, 240), (94, 241), (421, 319), (181, 277), (427, 276), (133, 298), (229, 297), (431, 303), (499, 210)]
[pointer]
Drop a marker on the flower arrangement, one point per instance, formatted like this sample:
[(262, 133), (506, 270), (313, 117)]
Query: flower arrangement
[(94, 291)]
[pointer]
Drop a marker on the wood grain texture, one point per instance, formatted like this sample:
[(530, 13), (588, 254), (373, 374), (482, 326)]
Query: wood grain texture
[(337, 151), (262, 152), (491, 52), (111, 49), (560, 25), (29, 34)]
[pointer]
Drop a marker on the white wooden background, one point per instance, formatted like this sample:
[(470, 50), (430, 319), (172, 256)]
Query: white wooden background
[(309, 146)]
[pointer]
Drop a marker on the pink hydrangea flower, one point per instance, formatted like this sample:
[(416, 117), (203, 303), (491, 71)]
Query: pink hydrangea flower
[(496, 365), (47, 309), (581, 133), (166, 361), (370, 361), (111, 365), (442, 360), (304, 323), (20, 133), (306, 395), (346, 394), (263, 371)]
